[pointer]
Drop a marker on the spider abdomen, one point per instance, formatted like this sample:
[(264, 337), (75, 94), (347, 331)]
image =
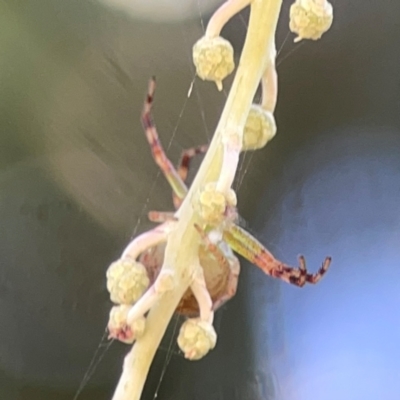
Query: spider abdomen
[(217, 277)]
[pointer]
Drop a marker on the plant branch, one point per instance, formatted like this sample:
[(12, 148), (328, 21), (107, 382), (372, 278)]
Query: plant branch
[(181, 255)]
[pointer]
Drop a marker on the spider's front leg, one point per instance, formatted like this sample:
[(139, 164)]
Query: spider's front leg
[(186, 158), (175, 177), (171, 174), (250, 248), (161, 216), (300, 276)]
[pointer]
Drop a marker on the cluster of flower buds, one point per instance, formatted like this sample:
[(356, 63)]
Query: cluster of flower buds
[(213, 57), (196, 338), (119, 328), (310, 19), (130, 290), (127, 280), (212, 204), (260, 128), (212, 54)]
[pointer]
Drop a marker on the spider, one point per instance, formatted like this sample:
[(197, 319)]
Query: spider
[(220, 266)]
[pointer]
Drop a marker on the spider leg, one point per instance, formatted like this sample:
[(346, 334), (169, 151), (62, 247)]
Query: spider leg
[(186, 157), (178, 186), (161, 216), (233, 267), (250, 248), (184, 165), (315, 278)]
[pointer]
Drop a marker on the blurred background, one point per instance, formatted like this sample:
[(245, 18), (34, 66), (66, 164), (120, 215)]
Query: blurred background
[(77, 180)]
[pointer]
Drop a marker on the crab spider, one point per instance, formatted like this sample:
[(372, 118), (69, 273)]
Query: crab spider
[(220, 265)]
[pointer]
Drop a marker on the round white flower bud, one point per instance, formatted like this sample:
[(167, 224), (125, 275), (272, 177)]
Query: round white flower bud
[(126, 281), (119, 328), (196, 338), (213, 58), (260, 128), (212, 203), (310, 19)]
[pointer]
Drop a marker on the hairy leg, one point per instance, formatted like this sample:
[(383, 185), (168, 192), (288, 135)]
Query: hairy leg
[(184, 166), (171, 174), (175, 177), (250, 248)]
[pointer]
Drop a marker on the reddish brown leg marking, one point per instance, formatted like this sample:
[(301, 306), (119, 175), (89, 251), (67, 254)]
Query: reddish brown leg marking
[(311, 278), (175, 177), (184, 166), (296, 276), (122, 334), (161, 216), (186, 157), (250, 248), (159, 156)]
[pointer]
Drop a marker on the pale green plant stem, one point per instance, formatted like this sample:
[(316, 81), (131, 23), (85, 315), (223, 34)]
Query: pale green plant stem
[(181, 255)]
